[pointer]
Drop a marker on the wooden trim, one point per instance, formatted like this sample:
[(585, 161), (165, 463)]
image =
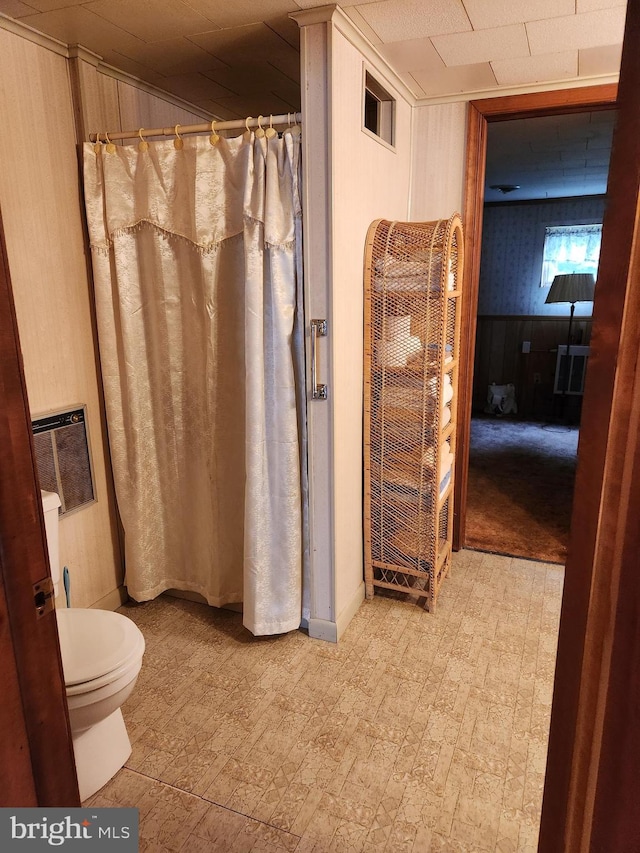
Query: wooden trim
[(593, 785), (23, 562), (479, 114), (473, 211)]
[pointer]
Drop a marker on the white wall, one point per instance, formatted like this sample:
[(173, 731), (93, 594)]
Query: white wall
[(438, 161), (351, 179)]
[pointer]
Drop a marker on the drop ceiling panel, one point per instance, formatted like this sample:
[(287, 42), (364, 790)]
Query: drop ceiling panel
[(448, 81), (237, 13), (397, 20), (75, 25), (591, 29), (16, 9), (499, 13), (593, 61), (175, 56), (536, 69), (412, 55), (483, 45), (151, 20), (592, 5)]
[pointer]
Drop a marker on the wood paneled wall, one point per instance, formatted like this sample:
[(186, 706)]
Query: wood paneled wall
[(499, 358), (41, 204)]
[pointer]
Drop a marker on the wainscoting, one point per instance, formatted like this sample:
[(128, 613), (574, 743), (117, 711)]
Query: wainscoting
[(499, 358)]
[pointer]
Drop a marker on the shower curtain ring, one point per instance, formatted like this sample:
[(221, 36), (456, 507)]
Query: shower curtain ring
[(260, 130), (270, 132), (178, 142), (247, 134), (110, 145), (98, 145), (143, 145), (213, 139)]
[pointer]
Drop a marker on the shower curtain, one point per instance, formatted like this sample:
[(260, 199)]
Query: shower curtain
[(196, 256)]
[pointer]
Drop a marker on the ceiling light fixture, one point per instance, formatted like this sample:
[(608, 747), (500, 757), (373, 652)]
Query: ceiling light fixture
[(505, 188)]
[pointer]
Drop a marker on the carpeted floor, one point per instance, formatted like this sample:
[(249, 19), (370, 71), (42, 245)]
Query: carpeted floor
[(520, 488)]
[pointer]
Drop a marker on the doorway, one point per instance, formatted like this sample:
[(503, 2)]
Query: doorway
[(481, 114), (545, 184)]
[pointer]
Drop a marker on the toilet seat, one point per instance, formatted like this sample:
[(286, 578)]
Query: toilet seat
[(97, 647)]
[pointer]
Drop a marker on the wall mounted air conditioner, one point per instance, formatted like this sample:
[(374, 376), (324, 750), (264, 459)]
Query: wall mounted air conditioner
[(578, 356)]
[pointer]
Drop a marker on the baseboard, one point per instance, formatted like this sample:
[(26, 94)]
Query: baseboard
[(116, 598), (324, 629), (347, 613)]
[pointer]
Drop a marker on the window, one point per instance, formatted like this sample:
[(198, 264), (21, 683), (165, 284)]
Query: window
[(379, 110), (570, 248)]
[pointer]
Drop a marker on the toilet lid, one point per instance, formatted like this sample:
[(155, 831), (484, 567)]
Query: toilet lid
[(94, 643)]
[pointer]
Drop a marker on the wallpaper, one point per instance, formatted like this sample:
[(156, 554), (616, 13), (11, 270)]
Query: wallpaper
[(511, 259)]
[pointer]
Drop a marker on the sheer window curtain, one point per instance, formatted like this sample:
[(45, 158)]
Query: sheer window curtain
[(570, 248), (197, 268)]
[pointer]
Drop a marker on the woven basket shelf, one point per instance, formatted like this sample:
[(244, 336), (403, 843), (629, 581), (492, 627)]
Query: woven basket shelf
[(413, 273)]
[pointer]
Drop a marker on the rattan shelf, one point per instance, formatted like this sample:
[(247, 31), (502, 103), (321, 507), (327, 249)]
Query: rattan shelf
[(413, 276)]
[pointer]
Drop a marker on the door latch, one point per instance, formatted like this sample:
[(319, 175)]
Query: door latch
[(43, 596)]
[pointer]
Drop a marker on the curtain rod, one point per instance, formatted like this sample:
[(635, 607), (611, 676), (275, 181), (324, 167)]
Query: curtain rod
[(235, 124)]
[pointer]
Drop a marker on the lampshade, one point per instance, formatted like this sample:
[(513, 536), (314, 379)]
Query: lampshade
[(572, 287)]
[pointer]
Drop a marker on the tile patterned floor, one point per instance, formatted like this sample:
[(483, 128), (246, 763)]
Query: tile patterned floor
[(417, 732)]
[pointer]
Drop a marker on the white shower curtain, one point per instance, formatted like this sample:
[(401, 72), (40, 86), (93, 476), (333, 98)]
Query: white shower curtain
[(196, 259)]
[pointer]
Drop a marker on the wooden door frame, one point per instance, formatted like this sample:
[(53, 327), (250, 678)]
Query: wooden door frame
[(38, 767), (592, 784), (480, 113)]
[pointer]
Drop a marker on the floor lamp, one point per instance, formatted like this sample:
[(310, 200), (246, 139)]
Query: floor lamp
[(572, 287)]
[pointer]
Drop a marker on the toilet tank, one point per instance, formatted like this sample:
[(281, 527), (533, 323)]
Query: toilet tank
[(50, 504)]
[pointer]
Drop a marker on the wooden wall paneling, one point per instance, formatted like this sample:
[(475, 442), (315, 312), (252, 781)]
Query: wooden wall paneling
[(35, 655), (142, 109), (41, 204)]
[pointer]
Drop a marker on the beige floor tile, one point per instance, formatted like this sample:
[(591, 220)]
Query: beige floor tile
[(418, 732)]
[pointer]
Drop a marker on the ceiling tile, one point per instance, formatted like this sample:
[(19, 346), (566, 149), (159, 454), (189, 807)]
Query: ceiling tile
[(76, 25), (130, 66), (240, 12), (193, 87), (16, 9), (412, 55), (500, 13), (50, 5), (353, 12), (261, 105), (464, 78), (592, 5), (257, 78), (253, 42), (591, 29), (175, 56), (483, 45), (312, 4), (287, 29), (399, 20), (151, 20), (536, 69), (593, 61)]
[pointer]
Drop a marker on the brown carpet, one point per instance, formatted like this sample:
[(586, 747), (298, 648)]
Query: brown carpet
[(520, 488)]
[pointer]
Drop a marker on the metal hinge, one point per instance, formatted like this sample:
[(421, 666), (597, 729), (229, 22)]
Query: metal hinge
[(43, 597)]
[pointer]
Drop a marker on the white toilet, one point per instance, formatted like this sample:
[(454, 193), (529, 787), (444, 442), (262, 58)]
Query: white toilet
[(101, 658)]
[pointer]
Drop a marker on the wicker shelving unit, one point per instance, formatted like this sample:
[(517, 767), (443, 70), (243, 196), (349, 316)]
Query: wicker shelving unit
[(413, 274)]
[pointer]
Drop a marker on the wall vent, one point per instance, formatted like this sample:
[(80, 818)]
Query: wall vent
[(63, 457)]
